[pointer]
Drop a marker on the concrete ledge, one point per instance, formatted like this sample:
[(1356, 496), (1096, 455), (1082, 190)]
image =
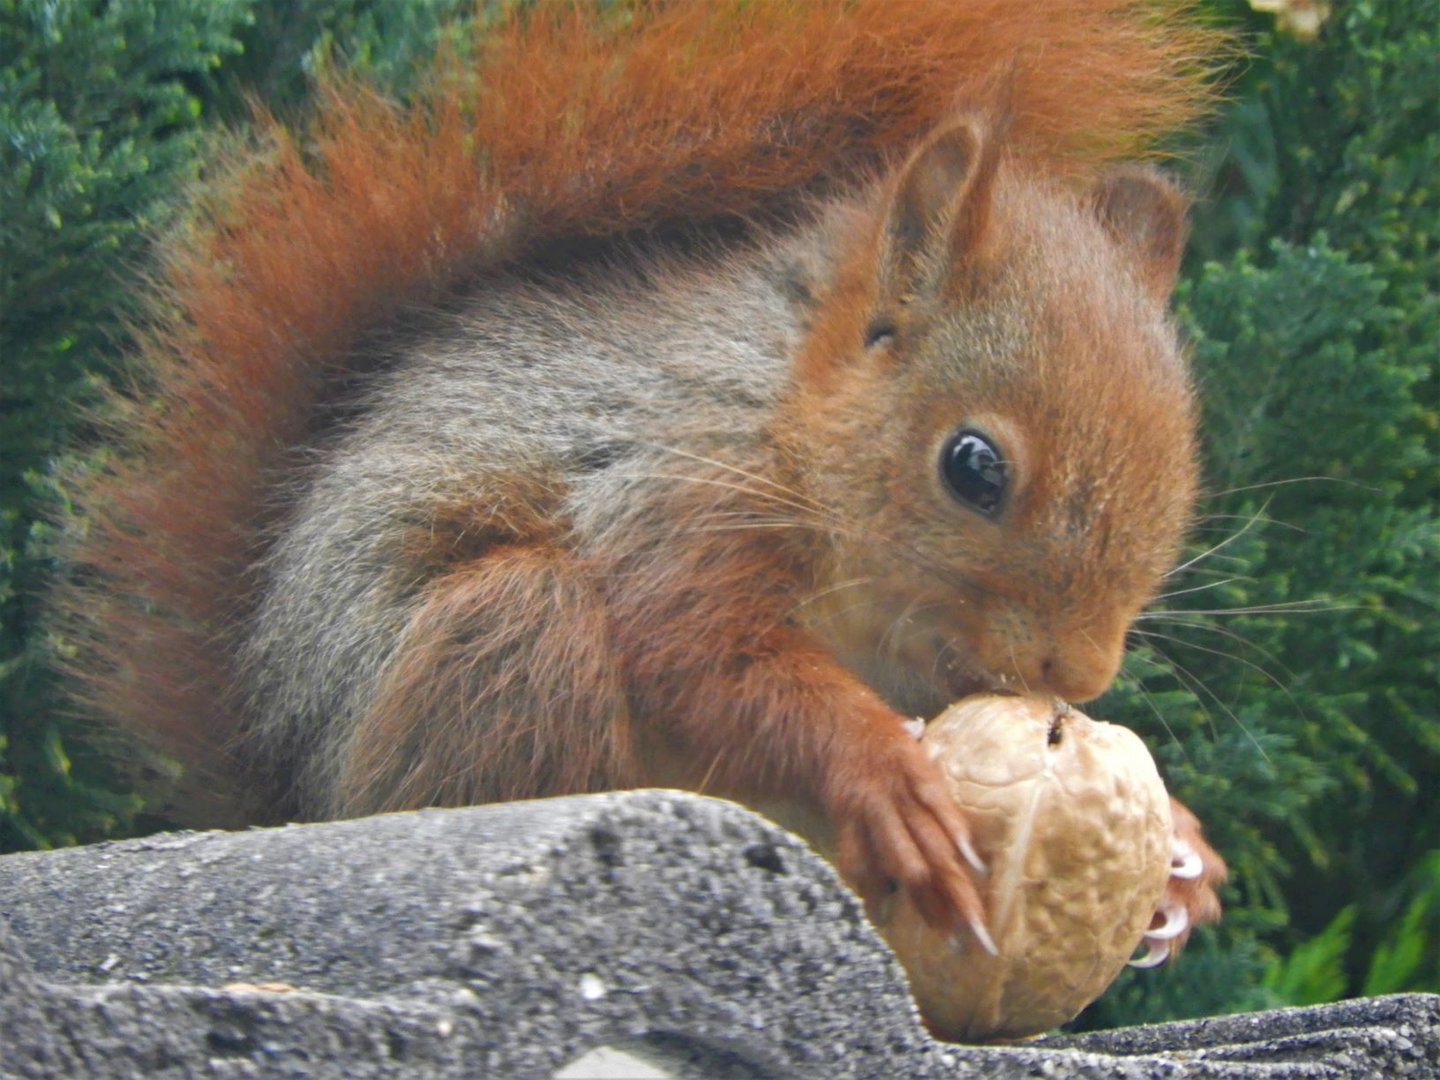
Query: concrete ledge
[(535, 940)]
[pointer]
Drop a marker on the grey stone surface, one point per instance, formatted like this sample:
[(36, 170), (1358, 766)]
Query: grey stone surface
[(1396, 1035), (568, 936)]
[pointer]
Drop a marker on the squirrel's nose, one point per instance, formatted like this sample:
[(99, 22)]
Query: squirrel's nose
[(1054, 657), (1073, 666), (1076, 679)]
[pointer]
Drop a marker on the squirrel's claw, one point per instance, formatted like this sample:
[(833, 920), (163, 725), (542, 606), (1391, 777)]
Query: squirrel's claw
[(1160, 940), (897, 826), (967, 849), (1176, 922), (1156, 953), (1185, 861), (1196, 871), (982, 935)]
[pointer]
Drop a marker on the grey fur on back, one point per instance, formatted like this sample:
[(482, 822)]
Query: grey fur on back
[(589, 385)]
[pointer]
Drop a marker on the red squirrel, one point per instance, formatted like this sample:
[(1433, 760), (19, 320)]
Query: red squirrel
[(686, 399)]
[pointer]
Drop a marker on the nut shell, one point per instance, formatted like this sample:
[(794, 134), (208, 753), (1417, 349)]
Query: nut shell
[(1074, 823)]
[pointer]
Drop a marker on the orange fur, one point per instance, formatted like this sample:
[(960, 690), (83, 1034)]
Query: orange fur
[(573, 125), (420, 745), (729, 697)]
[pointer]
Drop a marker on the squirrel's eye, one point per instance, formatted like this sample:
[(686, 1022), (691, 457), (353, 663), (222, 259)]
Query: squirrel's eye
[(974, 471)]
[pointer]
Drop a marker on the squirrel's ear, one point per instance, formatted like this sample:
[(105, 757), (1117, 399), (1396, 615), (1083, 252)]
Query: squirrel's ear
[(940, 209), (1145, 213)]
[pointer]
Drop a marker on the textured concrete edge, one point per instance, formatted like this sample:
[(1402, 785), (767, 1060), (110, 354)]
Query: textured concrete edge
[(541, 929), (115, 1031), (1409, 1022), (124, 1031), (511, 940)]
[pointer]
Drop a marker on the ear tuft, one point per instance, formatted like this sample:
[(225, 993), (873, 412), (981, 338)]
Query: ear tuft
[(932, 182), (1145, 214), (943, 194)]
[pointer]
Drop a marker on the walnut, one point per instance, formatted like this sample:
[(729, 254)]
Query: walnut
[(1075, 826)]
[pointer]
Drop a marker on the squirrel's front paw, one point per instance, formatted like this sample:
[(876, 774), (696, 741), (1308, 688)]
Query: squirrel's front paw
[(1196, 871), (897, 826)]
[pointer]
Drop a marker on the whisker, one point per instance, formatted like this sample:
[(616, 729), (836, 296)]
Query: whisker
[(808, 512), (727, 485), (1249, 524), (1149, 700), (941, 660), (1292, 480), (951, 656), (863, 602), (1015, 667), (1236, 659), (1217, 571), (729, 467), (1195, 589), (1226, 632), (799, 501), (704, 786), (756, 526), (1280, 522), (1318, 606), (893, 631), (829, 590), (1197, 686)]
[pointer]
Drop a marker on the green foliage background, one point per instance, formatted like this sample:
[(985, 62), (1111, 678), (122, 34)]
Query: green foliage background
[(1287, 686)]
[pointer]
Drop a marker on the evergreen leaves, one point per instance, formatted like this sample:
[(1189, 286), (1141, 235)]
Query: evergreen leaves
[(1312, 309)]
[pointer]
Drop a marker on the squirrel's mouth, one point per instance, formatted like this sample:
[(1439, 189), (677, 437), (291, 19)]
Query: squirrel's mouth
[(962, 680), (919, 663), (949, 682)]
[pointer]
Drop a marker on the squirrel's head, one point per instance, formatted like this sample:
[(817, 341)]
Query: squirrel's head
[(993, 407)]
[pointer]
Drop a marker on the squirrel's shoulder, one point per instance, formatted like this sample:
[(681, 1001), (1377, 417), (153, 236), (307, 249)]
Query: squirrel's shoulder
[(638, 325)]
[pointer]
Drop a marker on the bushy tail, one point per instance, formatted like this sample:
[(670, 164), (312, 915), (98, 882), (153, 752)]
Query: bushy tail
[(573, 124)]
